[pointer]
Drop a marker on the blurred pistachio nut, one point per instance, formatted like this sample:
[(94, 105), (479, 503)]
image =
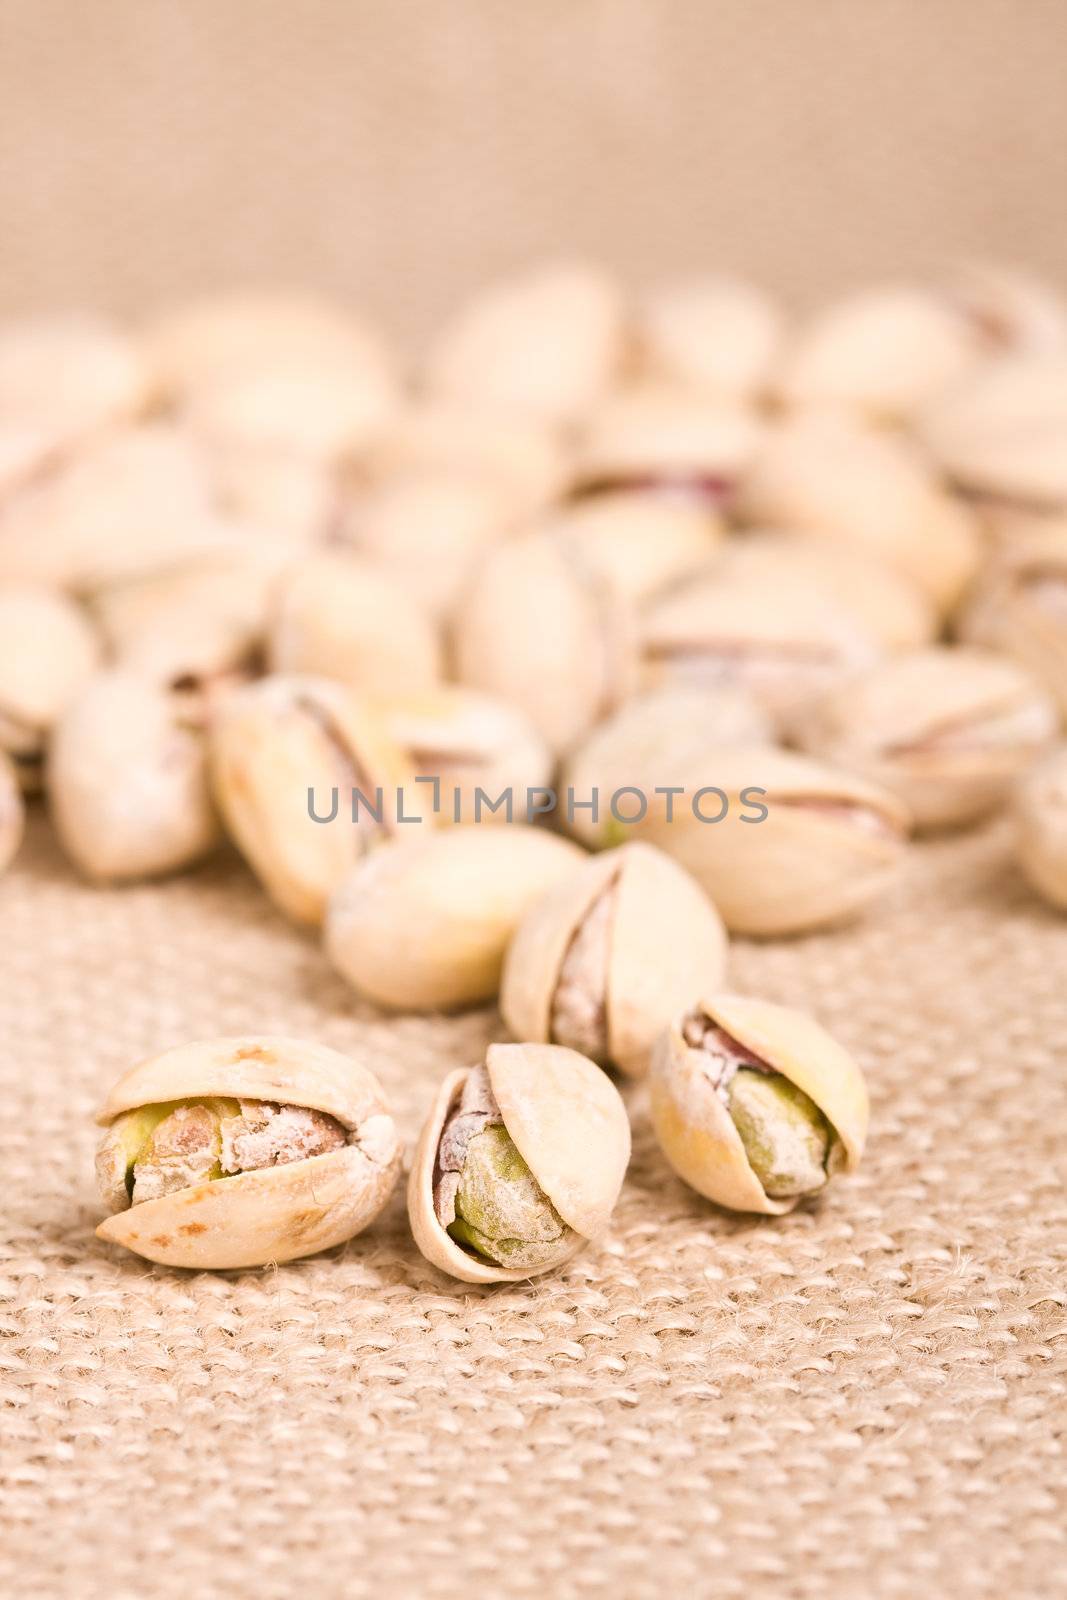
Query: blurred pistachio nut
[(1012, 312), (471, 748), (521, 460), (238, 1152), (656, 740), (1019, 605), (716, 336), (663, 441), (519, 1164), (545, 344), (781, 843), (1005, 432), (606, 957), (68, 375), (633, 544), (755, 1105), (423, 925), (127, 780), (1041, 827), (48, 649), (338, 616), (321, 413), (536, 629), (12, 813), (946, 729), (307, 780)]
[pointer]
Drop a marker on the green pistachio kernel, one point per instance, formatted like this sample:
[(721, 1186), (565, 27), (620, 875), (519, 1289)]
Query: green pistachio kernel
[(786, 1137), (501, 1210)]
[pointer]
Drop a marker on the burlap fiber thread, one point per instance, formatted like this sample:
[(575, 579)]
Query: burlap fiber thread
[(866, 1398)]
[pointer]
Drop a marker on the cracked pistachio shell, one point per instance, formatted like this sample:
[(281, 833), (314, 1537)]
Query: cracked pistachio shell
[(694, 1126), (545, 344), (634, 543), (48, 649), (127, 781), (781, 641), (830, 844), (569, 1124), (423, 924), (713, 335), (469, 741), (665, 944), (134, 501), (657, 738), (339, 616), (656, 438), (280, 742), (883, 351), (1019, 606), (1041, 827), (892, 608), (12, 813), (1005, 432), (946, 729), (534, 629), (275, 1213), (832, 476)]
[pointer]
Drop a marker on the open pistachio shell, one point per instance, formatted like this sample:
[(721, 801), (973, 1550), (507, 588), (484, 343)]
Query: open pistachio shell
[(655, 438), (12, 814), (1005, 432), (693, 1123), (663, 942), (1019, 605), (283, 744), (423, 925), (568, 1123), (634, 543), (270, 1213)]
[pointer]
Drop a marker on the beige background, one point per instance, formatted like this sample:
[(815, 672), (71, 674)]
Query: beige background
[(400, 150)]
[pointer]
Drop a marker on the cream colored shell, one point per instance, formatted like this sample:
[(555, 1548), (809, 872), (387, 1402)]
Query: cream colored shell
[(68, 375), (522, 460), (694, 1126), (1019, 604), (12, 813), (271, 743), (666, 945), (48, 648), (274, 1213), (991, 717), (715, 335), (423, 924), (633, 543), (658, 431), (1041, 827), (1005, 433), (568, 1123)]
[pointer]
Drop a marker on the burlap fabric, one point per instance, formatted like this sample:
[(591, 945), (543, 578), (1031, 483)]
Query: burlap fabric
[(868, 1398)]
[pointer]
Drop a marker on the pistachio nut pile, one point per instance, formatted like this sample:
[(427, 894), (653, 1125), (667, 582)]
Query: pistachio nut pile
[(527, 668)]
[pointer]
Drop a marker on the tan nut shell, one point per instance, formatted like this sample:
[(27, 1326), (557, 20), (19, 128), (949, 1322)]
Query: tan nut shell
[(876, 723), (811, 862), (634, 543), (714, 335), (667, 945), (12, 813), (268, 747), (660, 431), (423, 925), (568, 1123), (48, 648), (694, 1127), (521, 459), (68, 375), (1041, 827), (1005, 433), (274, 1213), (1009, 608)]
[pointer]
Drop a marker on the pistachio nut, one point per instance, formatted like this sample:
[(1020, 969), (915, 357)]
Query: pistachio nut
[(306, 780), (653, 439), (883, 351), (12, 813), (1005, 432), (781, 641), (632, 543), (535, 629), (831, 475), (946, 729), (337, 616), (716, 336), (424, 925), (546, 344), (278, 492), (519, 1164), (127, 780), (656, 740), (67, 376), (238, 1152), (133, 502), (892, 608), (606, 957), (755, 1105), (48, 648), (1012, 311), (781, 843), (427, 531), (1041, 827), (471, 748), (320, 413), (1019, 606)]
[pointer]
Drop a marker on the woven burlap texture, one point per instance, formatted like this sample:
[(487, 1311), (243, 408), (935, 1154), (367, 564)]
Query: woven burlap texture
[(864, 1398)]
